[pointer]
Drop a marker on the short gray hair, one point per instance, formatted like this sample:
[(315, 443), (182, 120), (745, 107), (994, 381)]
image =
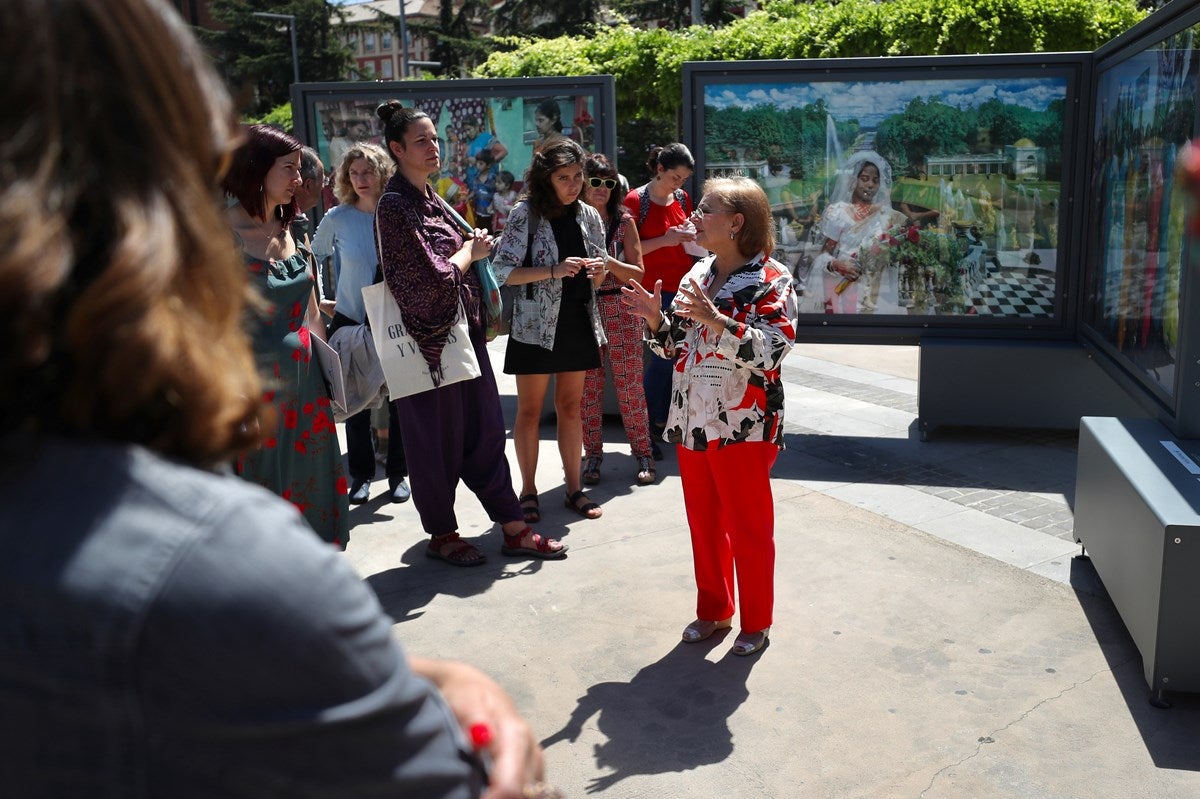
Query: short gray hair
[(310, 164)]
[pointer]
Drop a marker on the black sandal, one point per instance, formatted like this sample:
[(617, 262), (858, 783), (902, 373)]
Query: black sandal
[(530, 509), (590, 510)]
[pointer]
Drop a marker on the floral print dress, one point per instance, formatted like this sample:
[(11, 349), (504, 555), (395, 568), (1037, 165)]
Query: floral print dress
[(301, 459)]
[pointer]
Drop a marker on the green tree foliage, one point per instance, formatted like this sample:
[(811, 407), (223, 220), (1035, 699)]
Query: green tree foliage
[(280, 117), (926, 126), (648, 64), (256, 56), (546, 18), (455, 46)]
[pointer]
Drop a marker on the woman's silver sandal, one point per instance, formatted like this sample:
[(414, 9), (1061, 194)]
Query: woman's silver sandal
[(749, 643), (700, 629)]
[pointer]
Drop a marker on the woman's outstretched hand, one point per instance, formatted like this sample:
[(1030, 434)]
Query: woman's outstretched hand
[(642, 303)]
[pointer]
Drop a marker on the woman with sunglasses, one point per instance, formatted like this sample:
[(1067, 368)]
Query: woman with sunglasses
[(726, 333), (624, 331)]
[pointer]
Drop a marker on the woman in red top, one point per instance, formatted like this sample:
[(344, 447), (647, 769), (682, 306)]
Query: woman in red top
[(661, 209)]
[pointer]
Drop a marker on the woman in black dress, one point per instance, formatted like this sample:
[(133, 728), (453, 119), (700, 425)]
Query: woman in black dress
[(553, 252)]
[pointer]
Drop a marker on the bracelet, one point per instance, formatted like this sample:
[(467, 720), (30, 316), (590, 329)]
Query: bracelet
[(829, 268), (551, 271)]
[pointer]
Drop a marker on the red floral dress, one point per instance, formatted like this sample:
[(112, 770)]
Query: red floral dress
[(301, 459)]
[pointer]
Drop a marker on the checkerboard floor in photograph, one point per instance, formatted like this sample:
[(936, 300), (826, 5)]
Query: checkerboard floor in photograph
[(1015, 292)]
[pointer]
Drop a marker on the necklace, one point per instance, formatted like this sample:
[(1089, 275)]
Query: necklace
[(862, 211), (270, 228)]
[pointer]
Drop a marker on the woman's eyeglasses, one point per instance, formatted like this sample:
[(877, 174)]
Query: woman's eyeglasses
[(700, 211), (608, 183)]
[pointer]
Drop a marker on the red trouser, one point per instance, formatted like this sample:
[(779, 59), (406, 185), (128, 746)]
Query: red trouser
[(624, 354), (727, 494)]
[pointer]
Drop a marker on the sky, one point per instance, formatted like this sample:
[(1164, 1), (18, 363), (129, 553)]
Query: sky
[(872, 101)]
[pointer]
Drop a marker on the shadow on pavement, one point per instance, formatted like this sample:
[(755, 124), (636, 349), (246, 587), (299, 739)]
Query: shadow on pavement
[(672, 716), (1169, 735)]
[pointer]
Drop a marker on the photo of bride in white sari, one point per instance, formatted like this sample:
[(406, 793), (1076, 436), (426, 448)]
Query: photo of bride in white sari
[(854, 255)]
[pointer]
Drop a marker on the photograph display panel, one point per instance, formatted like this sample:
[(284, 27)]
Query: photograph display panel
[(944, 190), (487, 135), (1145, 111)]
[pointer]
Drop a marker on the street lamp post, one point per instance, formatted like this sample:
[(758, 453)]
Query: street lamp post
[(291, 21), (403, 41)]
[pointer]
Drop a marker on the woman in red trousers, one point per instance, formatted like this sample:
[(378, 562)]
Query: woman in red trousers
[(727, 332)]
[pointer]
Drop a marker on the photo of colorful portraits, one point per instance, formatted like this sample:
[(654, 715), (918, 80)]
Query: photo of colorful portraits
[(487, 141), (927, 197), (1144, 113)]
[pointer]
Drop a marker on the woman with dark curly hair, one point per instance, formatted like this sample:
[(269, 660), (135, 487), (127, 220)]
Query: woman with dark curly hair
[(552, 250), (300, 458)]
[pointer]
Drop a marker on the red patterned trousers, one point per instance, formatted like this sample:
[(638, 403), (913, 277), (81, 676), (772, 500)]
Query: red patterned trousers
[(623, 353)]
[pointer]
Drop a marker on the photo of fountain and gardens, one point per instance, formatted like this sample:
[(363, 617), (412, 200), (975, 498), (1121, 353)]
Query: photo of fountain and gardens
[(942, 197)]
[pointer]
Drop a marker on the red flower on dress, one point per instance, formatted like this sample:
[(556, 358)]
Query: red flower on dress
[(342, 487), (322, 422), (270, 443), (290, 419), (301, 447), (307, 409)]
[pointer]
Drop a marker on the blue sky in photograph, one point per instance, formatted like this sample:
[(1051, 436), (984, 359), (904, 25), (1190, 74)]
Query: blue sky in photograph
[(872, 101)]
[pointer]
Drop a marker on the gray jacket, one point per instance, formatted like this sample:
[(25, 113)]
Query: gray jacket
[(169, 632), (535, 320)]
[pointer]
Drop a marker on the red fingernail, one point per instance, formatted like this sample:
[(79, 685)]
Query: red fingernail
[(481, 735)]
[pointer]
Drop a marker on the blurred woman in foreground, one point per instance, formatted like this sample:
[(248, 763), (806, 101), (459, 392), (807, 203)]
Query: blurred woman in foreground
[(170, 629)]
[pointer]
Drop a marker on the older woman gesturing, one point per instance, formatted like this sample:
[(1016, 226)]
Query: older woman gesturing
[(727, 332)]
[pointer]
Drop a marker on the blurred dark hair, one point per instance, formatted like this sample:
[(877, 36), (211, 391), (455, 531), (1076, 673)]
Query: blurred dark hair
[(547, 160), (550, 109), (252, 161), (670, 157), (124, 292)]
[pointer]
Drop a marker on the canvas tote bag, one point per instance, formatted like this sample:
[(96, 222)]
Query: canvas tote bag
[(404, 366)]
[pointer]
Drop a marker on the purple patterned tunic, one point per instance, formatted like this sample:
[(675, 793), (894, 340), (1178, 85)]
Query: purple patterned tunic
[(416, 240)]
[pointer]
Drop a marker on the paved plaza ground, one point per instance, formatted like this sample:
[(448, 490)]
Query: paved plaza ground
[(935, 634)]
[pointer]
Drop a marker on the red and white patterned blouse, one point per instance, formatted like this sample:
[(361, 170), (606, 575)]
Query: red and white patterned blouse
[(727, 386)]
